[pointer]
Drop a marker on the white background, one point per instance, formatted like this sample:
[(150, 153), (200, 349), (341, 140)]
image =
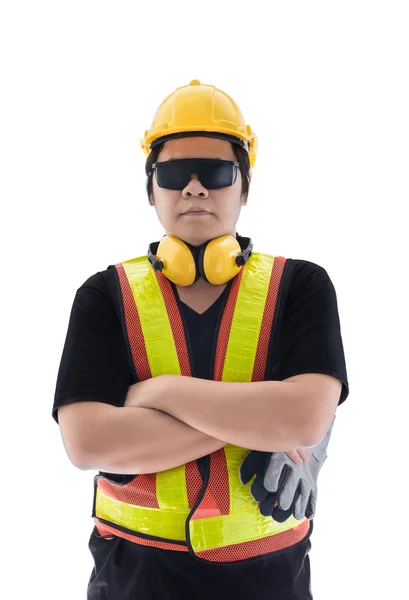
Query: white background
[(325, 87)]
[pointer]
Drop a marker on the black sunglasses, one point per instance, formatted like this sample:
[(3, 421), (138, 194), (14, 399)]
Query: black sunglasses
[(175, 174)]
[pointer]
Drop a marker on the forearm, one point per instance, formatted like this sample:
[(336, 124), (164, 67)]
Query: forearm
[(269, 416), (129, 440)]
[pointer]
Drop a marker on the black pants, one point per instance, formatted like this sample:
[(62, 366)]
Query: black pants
[(127, 571)]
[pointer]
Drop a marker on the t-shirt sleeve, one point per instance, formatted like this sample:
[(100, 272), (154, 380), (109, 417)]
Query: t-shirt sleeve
[(94, 363), (309, 335)]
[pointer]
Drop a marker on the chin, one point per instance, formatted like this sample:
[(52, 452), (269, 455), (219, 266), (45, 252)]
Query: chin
[(193, 235), (203, 235)]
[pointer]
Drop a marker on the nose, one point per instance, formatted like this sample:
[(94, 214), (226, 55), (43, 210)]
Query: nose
[(195, 188)]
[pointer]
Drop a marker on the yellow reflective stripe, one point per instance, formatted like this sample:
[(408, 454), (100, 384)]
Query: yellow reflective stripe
[(240, 497), (155, 324), (171, 489), (247, 318), (235, 528), (159, 522)]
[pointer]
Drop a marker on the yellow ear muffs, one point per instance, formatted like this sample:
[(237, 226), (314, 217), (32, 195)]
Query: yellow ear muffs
[(179, 264), (217, 260)]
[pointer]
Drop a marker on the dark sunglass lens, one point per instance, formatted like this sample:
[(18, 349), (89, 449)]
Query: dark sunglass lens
[(172, 175), (217, 175)]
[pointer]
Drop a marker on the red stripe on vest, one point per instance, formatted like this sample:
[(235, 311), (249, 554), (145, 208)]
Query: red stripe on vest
[(225, 326), (175, 323), (264, 339)]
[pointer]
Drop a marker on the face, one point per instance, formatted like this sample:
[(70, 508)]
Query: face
[(223, 205)]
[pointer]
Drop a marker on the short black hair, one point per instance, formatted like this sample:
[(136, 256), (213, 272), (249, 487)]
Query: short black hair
[(241, 156)]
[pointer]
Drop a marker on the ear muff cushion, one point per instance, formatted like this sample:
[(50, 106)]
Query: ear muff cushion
[(179, 261), (218, 261)]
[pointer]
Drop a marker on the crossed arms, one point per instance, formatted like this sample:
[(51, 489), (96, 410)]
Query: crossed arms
[(169, 420)]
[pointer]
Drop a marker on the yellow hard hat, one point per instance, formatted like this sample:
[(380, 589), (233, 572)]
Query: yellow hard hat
[(204, 110)]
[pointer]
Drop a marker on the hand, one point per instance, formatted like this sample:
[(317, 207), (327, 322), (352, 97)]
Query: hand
[(144, 394), (281, 487), (300, 455), (257, 463)]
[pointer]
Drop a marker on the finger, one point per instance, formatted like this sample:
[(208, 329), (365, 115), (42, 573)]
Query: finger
[(267, 505), (301, 503), (311, 506), (291, 509), (280, 515), (254, 462), (304, 453), (298, 509), (310, 510), (295, 456), (287, 488), (257, 489), (274, 474), (248, 468)]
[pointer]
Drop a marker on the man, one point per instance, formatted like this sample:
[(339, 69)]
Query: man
[(186, 427)]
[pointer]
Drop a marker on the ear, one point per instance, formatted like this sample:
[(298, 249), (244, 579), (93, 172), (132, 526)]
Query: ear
[(250, 174)]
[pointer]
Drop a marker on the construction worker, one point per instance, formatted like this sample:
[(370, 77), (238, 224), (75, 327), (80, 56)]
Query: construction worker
[(201, 381)]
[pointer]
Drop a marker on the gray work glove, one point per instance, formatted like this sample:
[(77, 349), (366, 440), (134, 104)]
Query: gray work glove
[(282, 487)]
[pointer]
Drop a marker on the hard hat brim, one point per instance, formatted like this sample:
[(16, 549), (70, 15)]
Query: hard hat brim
[(212, 134)]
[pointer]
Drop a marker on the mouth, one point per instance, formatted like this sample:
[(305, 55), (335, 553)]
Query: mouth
[(196, 212)]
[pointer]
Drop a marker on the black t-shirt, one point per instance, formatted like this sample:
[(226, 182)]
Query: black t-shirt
[(96, 364)]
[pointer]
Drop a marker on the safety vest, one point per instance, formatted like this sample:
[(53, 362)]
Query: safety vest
[(206, 511)]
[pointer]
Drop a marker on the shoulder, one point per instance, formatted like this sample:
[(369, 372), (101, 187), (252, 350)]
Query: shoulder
[(100, 281), (107, 280), (300, 276), (102, 287)]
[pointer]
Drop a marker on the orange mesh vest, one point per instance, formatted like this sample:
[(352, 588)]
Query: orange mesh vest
[(206, 512)]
